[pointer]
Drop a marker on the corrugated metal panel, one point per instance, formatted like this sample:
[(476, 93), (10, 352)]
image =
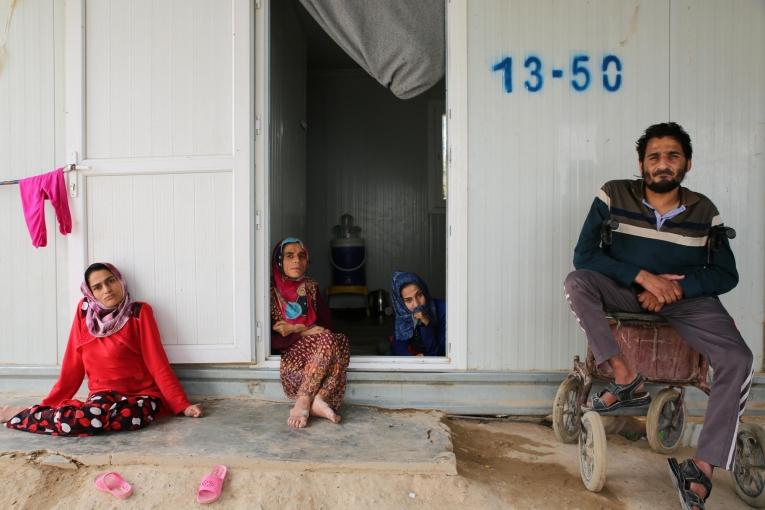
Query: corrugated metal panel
[(537, 158), (28, 310), (175, 232), (159, 79), (367, 156), (717, 83)]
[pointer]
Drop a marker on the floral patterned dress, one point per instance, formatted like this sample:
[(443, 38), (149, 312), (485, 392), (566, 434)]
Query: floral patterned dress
[(314, 364)]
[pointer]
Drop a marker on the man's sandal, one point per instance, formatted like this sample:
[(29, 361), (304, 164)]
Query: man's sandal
[(626, 396), (683, 475)]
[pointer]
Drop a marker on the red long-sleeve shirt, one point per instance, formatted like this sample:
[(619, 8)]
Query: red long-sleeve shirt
[(131, 361)]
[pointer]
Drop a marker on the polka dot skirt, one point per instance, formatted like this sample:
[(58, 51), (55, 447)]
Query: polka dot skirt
[(102, 412)]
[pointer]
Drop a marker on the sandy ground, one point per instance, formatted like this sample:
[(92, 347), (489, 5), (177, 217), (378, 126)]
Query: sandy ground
[(500, 464)]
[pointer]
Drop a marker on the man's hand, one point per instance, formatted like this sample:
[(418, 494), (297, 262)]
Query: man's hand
[(664, 287), (422, 317), (313, 330), (285, 328), (649, 302)]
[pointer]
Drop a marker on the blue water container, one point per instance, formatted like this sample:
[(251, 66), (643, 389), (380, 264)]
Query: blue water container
[(348, 257)]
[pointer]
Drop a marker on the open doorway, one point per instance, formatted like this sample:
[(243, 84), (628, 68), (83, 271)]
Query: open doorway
[(341, 144)]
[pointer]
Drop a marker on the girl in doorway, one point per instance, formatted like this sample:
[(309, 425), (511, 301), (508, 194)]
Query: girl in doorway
[(115, 342), (420, 328), (314, 358)]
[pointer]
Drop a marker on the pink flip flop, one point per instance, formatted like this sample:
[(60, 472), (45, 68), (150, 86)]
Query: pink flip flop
[(113, 483), (211, 485)]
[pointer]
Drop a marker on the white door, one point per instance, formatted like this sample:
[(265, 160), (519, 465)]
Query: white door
[(159, 110)]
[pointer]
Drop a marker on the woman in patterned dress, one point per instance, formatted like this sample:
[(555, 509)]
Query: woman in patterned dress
[(115, 342), (314, 358)]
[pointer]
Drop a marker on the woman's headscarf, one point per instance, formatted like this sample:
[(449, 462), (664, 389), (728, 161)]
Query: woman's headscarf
[(100, 320), (404, 327), (294, 296)]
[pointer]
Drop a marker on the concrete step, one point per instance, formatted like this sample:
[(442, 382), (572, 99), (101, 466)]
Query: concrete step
[(243, 432)]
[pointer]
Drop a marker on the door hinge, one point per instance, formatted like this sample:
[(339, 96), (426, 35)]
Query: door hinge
[(258, 126), (258, 331), (258, 4), (257, 220)]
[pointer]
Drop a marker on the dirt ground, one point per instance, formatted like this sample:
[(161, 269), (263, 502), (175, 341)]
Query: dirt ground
[(501, 464)]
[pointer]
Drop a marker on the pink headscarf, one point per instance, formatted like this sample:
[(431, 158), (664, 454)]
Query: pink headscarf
[(102, 321)]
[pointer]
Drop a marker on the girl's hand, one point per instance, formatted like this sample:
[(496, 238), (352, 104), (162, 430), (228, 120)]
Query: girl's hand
[(313, 330), (423, 318), (193, 411)]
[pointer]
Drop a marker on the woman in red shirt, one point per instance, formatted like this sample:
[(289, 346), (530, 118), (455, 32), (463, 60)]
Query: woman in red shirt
[(115, 342)]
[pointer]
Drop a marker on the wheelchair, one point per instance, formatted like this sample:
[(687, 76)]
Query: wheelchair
[(660, 355), (657, 352)]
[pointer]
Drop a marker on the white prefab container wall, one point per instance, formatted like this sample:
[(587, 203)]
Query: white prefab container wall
[(31, 135), (545, 100), (586, 78)]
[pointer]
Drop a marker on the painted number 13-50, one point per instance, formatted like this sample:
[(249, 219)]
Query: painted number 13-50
[(581, 75)]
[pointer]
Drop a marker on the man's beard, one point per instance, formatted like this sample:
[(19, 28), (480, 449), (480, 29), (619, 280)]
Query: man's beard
[(664, 185)]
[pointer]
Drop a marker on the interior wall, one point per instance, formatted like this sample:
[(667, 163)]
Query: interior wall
[(287, 129), (368, 156)]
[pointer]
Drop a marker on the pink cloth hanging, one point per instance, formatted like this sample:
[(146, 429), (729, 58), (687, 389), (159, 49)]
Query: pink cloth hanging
[(34, 191)]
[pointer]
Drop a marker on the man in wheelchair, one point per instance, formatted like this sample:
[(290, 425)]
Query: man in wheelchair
[(651, 245)]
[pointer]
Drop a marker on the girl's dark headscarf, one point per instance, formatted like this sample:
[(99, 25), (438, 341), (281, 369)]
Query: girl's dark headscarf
[(405, 323)]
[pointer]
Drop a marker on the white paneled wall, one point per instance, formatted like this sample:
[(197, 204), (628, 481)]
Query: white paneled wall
[(536, 158), (159, 80), (168, 145), (170, 229), (367, 156), (160, 88), (29, 315)]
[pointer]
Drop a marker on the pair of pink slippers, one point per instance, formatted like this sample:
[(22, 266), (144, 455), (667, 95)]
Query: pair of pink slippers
[(209, 490)]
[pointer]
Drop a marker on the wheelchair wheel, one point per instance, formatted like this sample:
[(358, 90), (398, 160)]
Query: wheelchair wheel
[(749, 465), (664, 433), (592, 451), (565, 415)]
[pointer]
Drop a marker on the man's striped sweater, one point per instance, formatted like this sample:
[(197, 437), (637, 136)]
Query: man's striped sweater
[(679, 247)]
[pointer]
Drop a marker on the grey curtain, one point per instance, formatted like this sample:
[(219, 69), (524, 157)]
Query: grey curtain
[(399, 42)]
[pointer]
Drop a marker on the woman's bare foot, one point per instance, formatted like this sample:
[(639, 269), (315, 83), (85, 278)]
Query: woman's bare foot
[(298, 418), (321, 409), (8, 412)]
